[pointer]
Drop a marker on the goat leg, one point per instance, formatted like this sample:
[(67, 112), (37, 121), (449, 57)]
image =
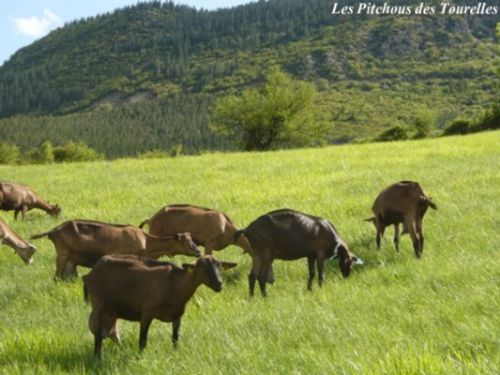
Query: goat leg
[(98, 343), (262, 285), (176, 324), (62, 260), (143, 336), (414, 238), (321, 267), (380, 233), (396, 236), (420, 232), (251, 283), (310, 264), (254, 273)]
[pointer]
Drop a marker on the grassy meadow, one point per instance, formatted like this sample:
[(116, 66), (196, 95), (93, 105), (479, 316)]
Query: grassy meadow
[(393, 315)]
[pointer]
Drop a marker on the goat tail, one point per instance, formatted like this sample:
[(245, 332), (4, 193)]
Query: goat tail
[(40, 235), (141, 225), (428, 201), (370, 220), (432, 204), (85, 291)]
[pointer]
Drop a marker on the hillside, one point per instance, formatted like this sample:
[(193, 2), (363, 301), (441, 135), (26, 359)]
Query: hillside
[(395, 315), (373, 71)]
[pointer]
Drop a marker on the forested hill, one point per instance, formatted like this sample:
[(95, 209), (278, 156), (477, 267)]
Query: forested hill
[(162, 50)]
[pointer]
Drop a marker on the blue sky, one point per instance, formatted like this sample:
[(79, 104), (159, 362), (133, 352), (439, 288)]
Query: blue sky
[(24, 21)]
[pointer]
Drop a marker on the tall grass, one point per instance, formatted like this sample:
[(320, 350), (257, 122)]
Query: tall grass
[(394, 315)]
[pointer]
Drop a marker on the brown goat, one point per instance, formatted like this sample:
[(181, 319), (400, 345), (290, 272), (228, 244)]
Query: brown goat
[(209, 228), (20, 198), (140, 290), (403, 202), (83, 243), (10, 238)]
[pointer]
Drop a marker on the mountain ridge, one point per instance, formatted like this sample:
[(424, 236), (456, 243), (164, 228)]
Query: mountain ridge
[(160, 50)]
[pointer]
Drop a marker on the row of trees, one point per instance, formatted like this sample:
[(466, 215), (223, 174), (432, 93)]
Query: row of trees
[(423, 125), (489, 121), (283, 112), (47, 153), (124, 130)]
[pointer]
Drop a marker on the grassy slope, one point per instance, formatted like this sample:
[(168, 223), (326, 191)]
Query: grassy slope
[(394, 315)]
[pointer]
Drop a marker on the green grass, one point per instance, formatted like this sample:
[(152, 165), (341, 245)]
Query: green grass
[(394, 315)]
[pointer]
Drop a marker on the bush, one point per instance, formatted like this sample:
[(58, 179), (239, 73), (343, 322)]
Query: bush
[(490, 121), (153, 154), (176, 150), (42, 155), (75, 151), (396, 133), (458, 127), (423, 123), (9, 154)]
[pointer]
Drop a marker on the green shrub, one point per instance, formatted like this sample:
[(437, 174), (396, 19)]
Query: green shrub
[(396, 133), (458, 127), (9, 154), (42, 155), (490, 121), (75, 151), (176, 150), (423, 123), (153, 154)]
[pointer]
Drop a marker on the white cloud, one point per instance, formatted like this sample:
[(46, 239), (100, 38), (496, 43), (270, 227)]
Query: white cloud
[(38, 26)]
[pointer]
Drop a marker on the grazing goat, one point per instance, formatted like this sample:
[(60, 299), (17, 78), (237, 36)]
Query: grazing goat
[(209, 228), (403, 202), (141, 289), (10, 238), (84, 242), (288, 235), (22, 199)]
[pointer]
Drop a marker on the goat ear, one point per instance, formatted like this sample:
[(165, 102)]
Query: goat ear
[(188, 266), (227, 265)]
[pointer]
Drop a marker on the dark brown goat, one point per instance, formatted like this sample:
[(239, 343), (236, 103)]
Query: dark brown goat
[(209, 228), (403, 202), (288, 235), (140, 290), (20, 198), (10, 238), (83, 243)]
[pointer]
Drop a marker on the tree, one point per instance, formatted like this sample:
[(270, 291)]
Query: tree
[(423, 123), (281, 113), (396, 133), (75, 151), (42, 155), (9, 154)]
